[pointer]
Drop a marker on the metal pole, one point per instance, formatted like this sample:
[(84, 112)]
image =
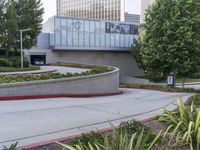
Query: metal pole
[(21, 46)]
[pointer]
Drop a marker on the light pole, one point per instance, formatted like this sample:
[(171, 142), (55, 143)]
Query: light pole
[(21, 45)]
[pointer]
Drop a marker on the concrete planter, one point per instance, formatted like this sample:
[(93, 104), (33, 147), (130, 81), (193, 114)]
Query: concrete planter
[(105, 83)]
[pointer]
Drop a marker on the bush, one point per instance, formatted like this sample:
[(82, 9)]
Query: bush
[(14, 62), (91, 137), (195, 75), (17, 62), (5, 62), (134, 126), (183, 125), (14, 53)]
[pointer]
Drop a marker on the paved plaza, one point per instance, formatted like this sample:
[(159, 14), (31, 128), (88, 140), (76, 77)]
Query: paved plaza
[(33, 121)]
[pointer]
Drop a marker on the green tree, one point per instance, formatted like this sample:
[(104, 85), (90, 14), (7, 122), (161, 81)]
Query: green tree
[(10, 28), (171, 40), (2, 23), (29, 15)]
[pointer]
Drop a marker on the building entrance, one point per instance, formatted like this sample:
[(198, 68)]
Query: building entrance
[(38, 59)]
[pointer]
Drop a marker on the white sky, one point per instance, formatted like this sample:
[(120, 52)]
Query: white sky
[(132, 6)]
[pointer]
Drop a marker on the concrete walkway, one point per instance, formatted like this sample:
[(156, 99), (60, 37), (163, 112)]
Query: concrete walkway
[(193, 85), (39, 120), (44, 69)]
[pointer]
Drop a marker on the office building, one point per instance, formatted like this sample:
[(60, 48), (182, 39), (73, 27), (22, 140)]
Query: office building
[(92, 9), (88, 41), (89, 34), (134, 18)]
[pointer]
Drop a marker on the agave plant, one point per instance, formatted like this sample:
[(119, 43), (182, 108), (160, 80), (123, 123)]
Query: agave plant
[(12, 147), (183, 125), (119, 141)]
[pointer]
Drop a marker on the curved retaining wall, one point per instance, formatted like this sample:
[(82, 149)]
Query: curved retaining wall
[(100, 84)]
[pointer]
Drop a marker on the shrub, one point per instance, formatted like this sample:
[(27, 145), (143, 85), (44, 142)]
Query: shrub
[(17, 62), (5, 62), (91, 137), (183, 125), (12, 147), (14, 62), (195, 75), (133, 126)]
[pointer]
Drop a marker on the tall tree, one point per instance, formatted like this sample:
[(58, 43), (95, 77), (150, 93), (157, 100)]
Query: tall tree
[(10, 27), (29, 15), (171, 41), (2, 22)]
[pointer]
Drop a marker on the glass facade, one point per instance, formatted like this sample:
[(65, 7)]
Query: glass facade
[(93, 9), (89, 34)]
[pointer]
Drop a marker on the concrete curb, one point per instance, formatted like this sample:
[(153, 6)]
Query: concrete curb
[(68, 138), (13, 98)]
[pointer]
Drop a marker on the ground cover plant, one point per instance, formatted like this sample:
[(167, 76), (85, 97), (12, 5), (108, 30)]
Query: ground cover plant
[(33, 77)]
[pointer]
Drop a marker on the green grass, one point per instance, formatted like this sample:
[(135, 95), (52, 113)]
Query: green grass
[(160, 87), (187, 80), (13, 69), (178, 80)]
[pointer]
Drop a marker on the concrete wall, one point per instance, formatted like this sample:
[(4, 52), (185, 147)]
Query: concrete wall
[(132, 80), (106, 83), (123, 60)]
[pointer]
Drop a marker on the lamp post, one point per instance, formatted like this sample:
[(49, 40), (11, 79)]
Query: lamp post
[(21, 45)]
